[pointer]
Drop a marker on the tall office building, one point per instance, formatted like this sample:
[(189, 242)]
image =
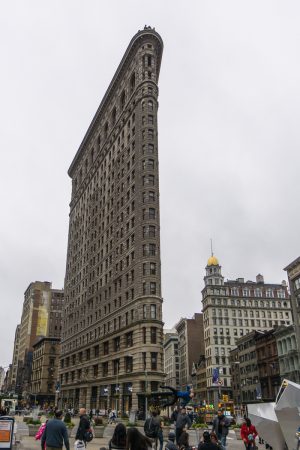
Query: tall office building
[(190, 348), (14, 365), (41, 317), (171, 358), (232, 309), (112, 350)]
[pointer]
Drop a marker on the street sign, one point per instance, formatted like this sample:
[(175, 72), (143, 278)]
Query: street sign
[(6, 432)]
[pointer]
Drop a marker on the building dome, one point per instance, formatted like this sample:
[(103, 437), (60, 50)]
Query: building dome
[(212, 261)]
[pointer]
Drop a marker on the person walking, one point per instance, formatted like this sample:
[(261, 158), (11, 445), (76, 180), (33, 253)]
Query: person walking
[(248, 434), (174, 415), (55, 434), (157, 421), (183, 421), (221, 427), (84, 426)]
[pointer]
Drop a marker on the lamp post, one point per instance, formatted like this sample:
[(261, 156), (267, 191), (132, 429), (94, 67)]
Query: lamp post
[(146, 393)]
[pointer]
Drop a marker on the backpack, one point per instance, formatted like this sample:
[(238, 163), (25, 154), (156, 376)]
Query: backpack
[(88, 435), (151, 428)]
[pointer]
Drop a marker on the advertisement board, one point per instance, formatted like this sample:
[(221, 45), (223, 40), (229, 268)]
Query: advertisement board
[(6, 432)]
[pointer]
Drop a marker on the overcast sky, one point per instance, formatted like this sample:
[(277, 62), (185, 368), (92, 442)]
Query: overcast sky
[(228, 136)]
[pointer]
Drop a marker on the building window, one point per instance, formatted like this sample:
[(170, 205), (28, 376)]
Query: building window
[(129, 339), (152, 268), (144, 335), (152, 288), (153, 361), (144, 311), (128, 364), (105, 348), (153, 311), (151, 213), (122, 100), (95, 370), (105, 369), (96, 351), (116, 366), (152, 249), (117, 344), (113, 116), (132, 82), (153, 335)]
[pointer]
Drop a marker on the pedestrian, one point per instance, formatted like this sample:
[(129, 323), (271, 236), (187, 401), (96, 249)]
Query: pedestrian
[(170, 445), (137, 441), (183, 421), (83, 427), (40, 432), (118, 440), (207, 443), (157, 422), (214, 438), (112, 417), (183, 443), (221, 427), (248, 434), (174, 415), (55, 434)]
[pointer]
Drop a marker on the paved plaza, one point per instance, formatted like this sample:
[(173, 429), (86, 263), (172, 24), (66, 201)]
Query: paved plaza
[(29, 443)]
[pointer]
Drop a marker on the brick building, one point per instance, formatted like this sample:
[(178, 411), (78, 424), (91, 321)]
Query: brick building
[(41, 316), (45, 365)]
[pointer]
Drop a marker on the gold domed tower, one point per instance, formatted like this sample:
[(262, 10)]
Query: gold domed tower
[(213, 272)]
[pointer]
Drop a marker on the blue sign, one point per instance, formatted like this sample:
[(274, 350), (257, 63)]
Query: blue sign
[(215, 375)]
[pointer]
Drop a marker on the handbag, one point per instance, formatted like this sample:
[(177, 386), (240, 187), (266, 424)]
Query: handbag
[(79, 445)]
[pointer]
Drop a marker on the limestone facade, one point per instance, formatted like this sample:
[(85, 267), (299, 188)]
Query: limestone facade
[(112, 342)]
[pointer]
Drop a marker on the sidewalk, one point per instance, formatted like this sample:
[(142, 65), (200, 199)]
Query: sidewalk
[(29, 443)]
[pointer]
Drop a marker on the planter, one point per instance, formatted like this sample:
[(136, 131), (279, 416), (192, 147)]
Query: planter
[(33, 429), (26, 418), (238, 433), (70, 429), (99, 431), (166, 430)]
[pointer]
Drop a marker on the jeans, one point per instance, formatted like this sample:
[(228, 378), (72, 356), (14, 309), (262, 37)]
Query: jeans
[(250, 445), (222, 439), (161, 439), (178, 432)]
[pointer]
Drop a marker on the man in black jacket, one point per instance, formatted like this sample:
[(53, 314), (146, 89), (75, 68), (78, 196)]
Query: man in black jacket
[(183, 421), (55, 434), (221, 426), (84, 425)]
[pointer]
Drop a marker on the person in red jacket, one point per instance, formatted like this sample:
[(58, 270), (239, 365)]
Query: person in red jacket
[(248, 434)]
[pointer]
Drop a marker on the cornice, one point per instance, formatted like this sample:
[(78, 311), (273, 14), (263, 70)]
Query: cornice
[(136, 40)]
